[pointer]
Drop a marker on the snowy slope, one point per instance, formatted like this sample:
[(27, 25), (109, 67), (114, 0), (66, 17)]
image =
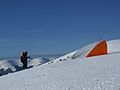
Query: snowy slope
[(113, 47), (8, 66), (82, 52), (96, 73), (65, 57)]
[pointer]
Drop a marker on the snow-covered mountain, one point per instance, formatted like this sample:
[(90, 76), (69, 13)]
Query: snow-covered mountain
[(65, 73), (10, 66)]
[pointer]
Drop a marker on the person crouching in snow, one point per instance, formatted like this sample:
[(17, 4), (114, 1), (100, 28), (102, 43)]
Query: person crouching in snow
[(23, 59)]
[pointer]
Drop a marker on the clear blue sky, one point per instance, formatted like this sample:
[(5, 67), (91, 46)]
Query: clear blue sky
[(56, 26)]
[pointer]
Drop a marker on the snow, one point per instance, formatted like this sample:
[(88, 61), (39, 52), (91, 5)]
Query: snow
[(94, 73), (77, 53), (97, 73), (10, 66), (65, 57), (38, 61), (114, 46), (82, 52)]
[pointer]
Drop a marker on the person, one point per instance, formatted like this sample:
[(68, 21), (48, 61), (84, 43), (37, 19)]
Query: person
[(24, 58)]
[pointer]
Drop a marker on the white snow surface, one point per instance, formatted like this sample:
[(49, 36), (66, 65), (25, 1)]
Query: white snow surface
[(114, 46), (95, 73)]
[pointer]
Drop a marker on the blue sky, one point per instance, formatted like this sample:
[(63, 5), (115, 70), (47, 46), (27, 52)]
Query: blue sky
[(56, 26)]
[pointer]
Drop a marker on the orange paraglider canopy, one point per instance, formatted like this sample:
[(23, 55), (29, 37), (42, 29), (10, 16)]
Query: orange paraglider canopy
[(99, 49)]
